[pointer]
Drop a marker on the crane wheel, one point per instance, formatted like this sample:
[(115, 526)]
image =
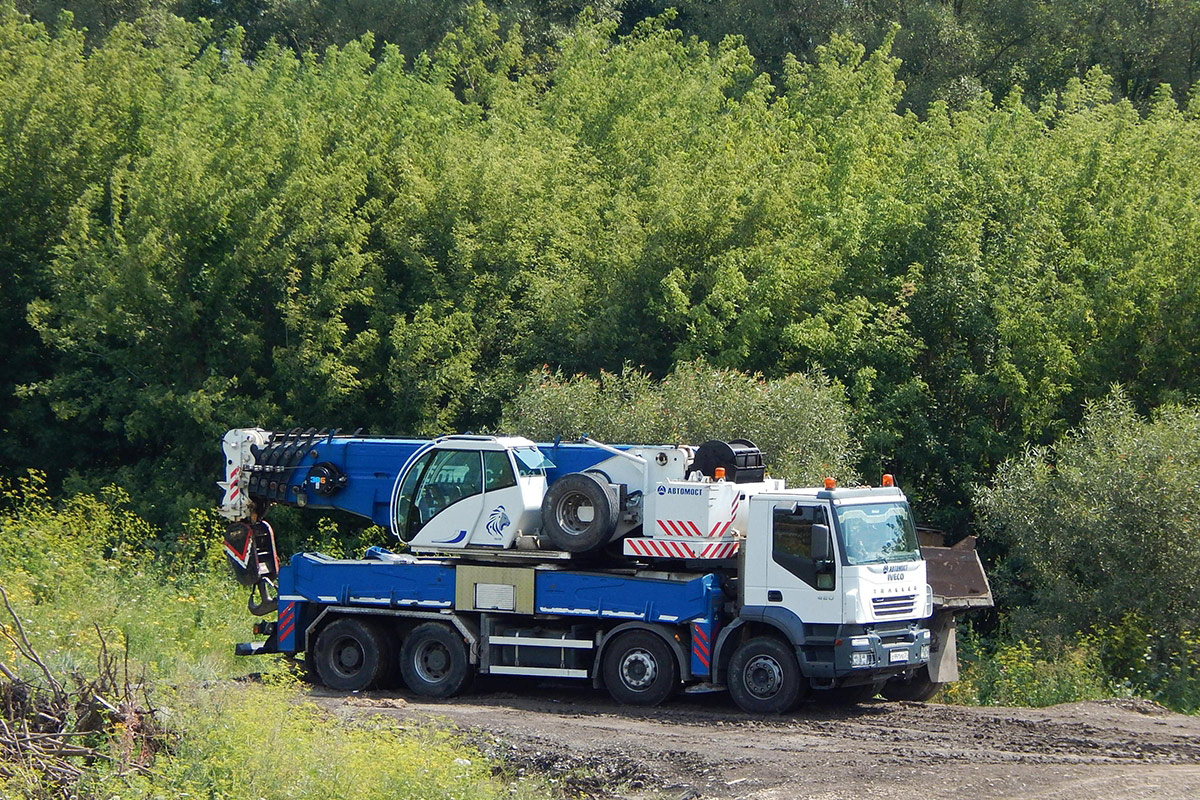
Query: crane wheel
[(640, 669), (434, 661), (350, 654), (579, 513)]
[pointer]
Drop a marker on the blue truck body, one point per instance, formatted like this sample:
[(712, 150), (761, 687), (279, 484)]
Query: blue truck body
[(312, 583)]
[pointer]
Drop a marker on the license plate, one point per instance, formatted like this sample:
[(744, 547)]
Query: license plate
[(897, 656)]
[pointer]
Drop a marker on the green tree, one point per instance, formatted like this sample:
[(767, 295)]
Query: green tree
[(1102, 524)]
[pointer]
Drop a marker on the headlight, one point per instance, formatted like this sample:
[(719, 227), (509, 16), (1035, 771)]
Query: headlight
[(924, 652), (860, 641), (928, 600)]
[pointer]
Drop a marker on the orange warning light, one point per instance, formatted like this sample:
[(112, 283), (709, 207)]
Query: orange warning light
[(888, 480), (719, 474), (830, 483)]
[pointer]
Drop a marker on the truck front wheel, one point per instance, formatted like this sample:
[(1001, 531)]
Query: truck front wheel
[(434, 661), (640, 669), (350, 655), (764, 677)]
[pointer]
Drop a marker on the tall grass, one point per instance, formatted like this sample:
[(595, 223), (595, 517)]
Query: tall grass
[(88, 569)]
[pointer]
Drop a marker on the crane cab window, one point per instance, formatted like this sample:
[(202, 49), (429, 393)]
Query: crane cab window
[(437, 481), (792, 543), (497, 471)]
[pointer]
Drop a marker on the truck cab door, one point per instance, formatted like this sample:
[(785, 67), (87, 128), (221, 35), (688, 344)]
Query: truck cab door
[(794, 562), (441, 499)]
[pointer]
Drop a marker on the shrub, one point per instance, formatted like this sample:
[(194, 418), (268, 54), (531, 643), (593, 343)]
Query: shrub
[(1103, 524), (1026, 673), (1163, 666), (801, 422)]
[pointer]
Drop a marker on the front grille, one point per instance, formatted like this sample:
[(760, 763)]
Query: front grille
[(894, 605)]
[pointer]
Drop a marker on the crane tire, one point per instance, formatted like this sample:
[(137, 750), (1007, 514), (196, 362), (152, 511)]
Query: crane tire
[(764, 676), (640, 669), (434, 661), (350, 654), (579, 513)]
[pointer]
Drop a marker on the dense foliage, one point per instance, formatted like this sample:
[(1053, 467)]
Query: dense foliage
[(802, 424), (198, 239), (1103, 524), (952, 50), (1100, 533)]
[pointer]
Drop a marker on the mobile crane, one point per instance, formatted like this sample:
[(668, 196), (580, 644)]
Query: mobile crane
[(644, 568)]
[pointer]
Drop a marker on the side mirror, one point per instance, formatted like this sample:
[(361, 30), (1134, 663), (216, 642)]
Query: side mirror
[(822, 543)]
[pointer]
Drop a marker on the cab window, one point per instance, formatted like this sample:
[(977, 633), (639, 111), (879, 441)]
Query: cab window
[(437, 481), (497, 471), (792, 536)]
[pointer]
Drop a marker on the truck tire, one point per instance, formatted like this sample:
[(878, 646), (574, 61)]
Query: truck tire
[(917, 689), (579, 513), (350, 655), (434, 661), (764, 677), (640, 669)]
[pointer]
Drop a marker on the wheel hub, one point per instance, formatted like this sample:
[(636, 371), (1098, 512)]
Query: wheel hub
[(764, 676), (349, 656), (575, 513), (638, 669), (433, 662)]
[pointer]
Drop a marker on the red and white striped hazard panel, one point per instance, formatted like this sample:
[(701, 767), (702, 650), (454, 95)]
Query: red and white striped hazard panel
[(659, 548)]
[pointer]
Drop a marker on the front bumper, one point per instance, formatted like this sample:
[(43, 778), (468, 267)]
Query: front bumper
[(857, 654)]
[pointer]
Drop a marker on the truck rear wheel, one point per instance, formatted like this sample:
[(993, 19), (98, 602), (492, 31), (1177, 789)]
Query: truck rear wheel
[(640, 669), (764, 677), (579, 513), (434, 662), (350, 655), (919, 688)]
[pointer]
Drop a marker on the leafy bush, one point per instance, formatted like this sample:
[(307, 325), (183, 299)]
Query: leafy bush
[(1026, 673), (1103, 524), (801, 422), (90, 567), (1161, 665)]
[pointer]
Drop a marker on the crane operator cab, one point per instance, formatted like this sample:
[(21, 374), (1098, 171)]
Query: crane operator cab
[(469, 491)]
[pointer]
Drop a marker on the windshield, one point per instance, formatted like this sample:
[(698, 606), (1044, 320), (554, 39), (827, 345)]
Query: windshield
[(877, 533), (531, 461)]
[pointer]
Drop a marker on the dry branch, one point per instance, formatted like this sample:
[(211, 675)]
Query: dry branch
[(55, 734)]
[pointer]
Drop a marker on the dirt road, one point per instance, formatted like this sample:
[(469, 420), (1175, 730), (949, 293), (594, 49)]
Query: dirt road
[(702, 747)]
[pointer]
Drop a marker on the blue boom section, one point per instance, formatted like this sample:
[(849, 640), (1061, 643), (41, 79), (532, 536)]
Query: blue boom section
[(574, 457), (371, 467)]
